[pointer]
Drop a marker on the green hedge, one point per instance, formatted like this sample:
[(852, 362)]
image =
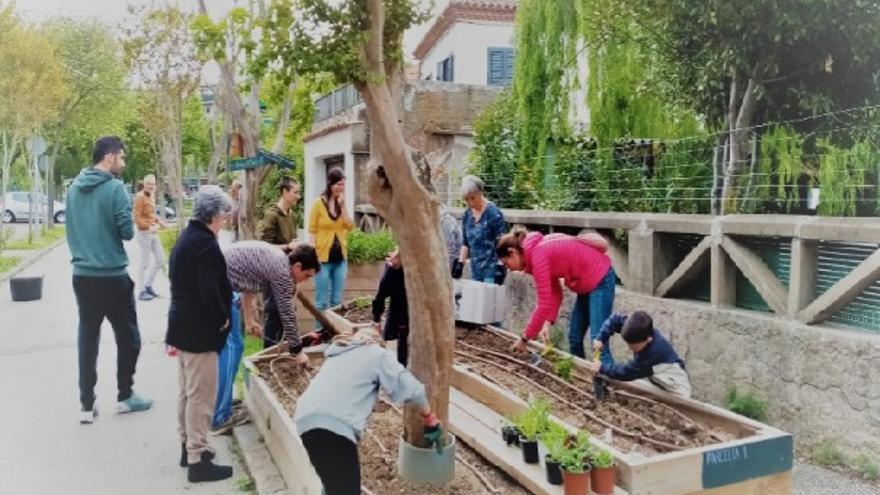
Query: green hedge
[(367, 248), (168, 237)]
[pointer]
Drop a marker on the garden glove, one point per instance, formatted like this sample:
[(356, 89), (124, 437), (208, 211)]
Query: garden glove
[(433, 435), (457, 269)]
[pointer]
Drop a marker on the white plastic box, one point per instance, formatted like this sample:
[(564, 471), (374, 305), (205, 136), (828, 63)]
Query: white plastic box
[(478, 302)]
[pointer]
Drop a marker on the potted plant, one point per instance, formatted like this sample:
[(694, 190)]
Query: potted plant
[(554, 439), (603, 472), (575, 467), (510, 433), (531, 424)]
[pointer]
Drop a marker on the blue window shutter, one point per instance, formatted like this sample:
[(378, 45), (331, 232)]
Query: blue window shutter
[(499, 66), (451, 61)]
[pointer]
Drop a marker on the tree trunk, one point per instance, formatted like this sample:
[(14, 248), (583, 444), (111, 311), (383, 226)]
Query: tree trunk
[(50, 181), (413, 215), (740, 120), (219, 143)]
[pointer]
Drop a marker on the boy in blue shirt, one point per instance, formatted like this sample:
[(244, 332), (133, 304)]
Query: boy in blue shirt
[(654, 358)]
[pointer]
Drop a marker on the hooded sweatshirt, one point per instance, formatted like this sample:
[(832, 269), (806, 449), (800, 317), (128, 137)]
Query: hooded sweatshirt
[(341, 396), (98, 220), (555, 257)]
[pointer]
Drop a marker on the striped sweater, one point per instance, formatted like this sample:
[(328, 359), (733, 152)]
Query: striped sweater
[(554, 257), (256, 266)]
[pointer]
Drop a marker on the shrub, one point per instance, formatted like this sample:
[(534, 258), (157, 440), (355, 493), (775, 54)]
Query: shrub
[(825, 453), (747, 404), (367, 248), (168, 237), (866, 467)]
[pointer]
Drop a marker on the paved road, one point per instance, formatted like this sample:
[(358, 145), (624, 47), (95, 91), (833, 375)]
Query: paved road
[(43, 448)]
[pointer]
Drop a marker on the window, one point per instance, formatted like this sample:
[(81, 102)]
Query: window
[(446, 69), (500, 66)]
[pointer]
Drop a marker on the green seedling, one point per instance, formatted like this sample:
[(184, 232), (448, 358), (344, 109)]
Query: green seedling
[(554, 439), (534, 420), (602, 459), (563, 367), (575, 455)]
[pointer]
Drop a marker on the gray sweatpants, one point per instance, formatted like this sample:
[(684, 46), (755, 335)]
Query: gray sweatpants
[(151, 250)]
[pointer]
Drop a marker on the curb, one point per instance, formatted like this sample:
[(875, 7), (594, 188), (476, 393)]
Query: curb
[(27, 263), (258, 461)]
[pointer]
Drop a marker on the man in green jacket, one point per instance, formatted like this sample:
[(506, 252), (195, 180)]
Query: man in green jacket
[(278, 228), (98, 220)]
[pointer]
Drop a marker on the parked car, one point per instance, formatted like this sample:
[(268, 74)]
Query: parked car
[(16, 207)]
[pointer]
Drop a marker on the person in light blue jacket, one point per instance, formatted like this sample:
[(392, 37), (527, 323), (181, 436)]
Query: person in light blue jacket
[(332, 412)]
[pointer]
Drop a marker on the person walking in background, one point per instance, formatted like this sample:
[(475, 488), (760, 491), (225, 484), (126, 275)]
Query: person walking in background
[(278, 228), (152, 255), (256, 267), (333, 411), (98, 220), (451, 229), (392, 286), (586, 270), (198, 325), (481, 226), (329, 225)]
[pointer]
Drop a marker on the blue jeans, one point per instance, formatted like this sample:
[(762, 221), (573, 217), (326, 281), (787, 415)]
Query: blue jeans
[(592, 309), (329, 283), (229, 360)]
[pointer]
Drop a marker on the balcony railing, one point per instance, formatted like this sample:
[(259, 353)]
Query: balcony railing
[(334, 103)]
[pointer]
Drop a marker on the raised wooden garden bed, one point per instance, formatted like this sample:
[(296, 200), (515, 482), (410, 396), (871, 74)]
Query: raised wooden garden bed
[(663, 444), (272, 386)]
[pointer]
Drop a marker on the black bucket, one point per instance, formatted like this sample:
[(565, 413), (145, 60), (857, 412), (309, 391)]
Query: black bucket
[(26, 288)]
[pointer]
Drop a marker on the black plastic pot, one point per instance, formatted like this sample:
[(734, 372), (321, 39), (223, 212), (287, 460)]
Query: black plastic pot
[(529, 450), (26, 288), (554, 472), (510, 434)]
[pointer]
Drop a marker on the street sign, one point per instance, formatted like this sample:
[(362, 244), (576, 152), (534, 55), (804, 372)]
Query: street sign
[(263, 158), (43, 163), (35, 145)]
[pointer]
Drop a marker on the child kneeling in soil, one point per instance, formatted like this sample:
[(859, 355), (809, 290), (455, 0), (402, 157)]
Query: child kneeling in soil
[(392, 286), (332, 412), (654, 358)]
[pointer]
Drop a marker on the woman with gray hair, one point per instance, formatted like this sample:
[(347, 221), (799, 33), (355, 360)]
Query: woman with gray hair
[(482, 225), (198, 324)]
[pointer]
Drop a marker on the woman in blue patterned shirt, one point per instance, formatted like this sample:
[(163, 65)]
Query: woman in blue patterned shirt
[(482, 225)]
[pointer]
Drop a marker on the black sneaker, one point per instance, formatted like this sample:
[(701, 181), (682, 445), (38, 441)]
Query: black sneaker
[(150, 291), (184, 462), (205, 470)]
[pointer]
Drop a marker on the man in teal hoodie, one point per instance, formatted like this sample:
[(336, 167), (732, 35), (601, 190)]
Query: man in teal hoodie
[(98, 220)]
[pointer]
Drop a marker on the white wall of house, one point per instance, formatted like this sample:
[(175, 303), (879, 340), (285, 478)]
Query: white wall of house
[(315, 152), (469, 42)]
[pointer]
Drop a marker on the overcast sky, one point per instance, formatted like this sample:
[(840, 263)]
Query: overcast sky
[(113, 12)]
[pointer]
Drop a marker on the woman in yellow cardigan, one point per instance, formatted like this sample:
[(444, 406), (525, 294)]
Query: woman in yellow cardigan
[(329, 224)]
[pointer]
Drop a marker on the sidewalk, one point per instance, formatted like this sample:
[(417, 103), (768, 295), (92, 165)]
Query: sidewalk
[(44, 450)]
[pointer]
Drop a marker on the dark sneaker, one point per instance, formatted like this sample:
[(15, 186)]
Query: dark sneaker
[(145, 296), (184, 462), (88, 417), (150, 291), (205, 470)]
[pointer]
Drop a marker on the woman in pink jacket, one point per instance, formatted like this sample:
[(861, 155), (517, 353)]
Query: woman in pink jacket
[(585, 269)]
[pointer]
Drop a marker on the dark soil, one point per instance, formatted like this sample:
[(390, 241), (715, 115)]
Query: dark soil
[(378, 447), (356, 313), (642, 425)]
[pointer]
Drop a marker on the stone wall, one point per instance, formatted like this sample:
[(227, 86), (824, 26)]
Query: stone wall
[(819, 382)]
